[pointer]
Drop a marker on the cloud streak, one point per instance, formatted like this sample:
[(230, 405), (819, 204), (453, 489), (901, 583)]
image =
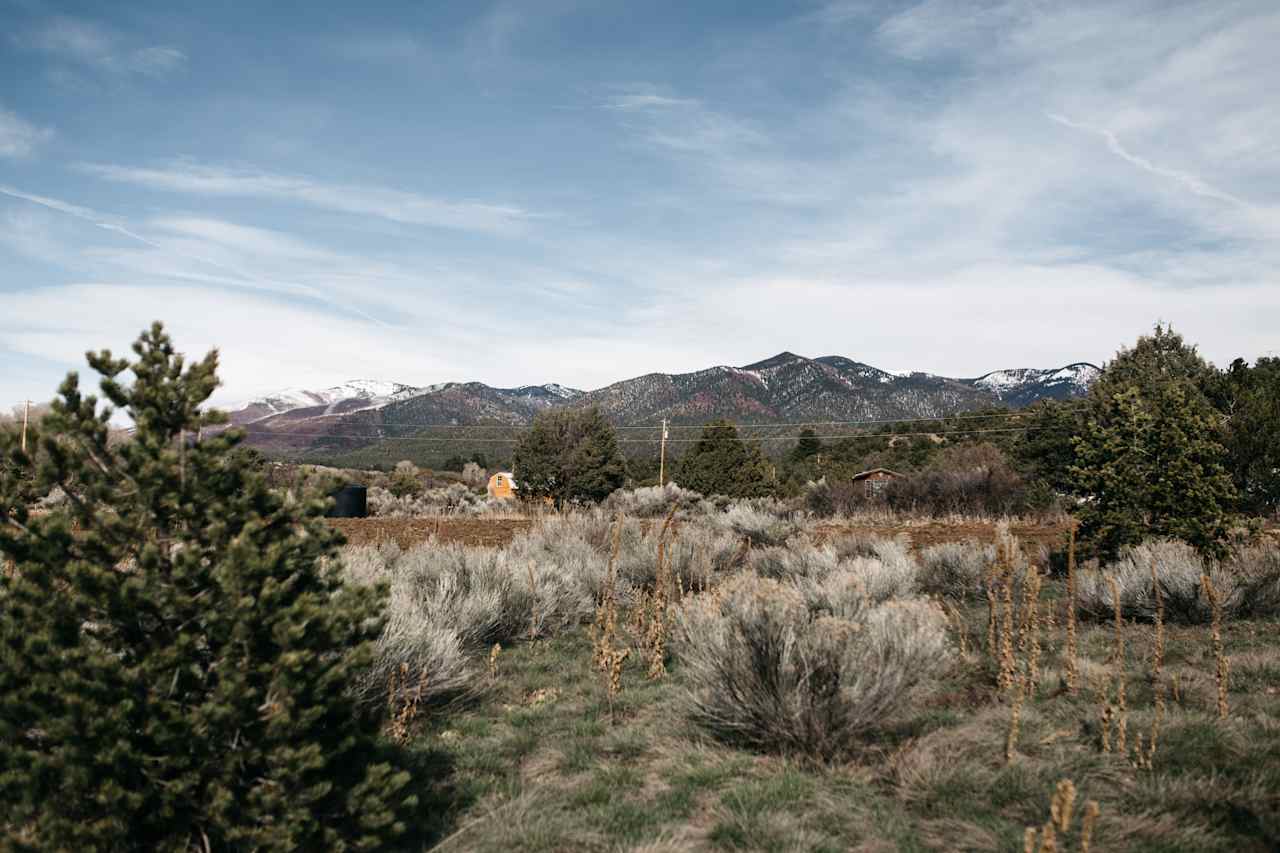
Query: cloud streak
[(1188, 181), (90, 45), (19, 137), (394, 205), (212, 232)]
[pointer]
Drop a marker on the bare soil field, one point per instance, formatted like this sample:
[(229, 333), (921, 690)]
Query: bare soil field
[(407, 532), (922, 534)]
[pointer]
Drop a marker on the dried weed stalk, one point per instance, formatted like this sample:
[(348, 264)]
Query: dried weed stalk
[(1073, 672), (1224, 665), (403, 701), (1055, 834)]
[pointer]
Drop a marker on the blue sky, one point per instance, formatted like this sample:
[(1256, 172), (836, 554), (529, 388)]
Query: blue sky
[(581, 192)]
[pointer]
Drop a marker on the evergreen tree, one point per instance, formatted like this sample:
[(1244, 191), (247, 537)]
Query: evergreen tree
[(569, 456), (1048, 449), (1148, 459), (1250, 398), (807, 446), (175, 659), (721, 463)]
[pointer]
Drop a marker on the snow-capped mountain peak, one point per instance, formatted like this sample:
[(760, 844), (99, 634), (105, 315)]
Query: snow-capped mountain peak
[(350, 396), (1019, 386)]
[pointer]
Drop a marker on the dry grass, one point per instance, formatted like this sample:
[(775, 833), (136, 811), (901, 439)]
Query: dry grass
[(798, 711)]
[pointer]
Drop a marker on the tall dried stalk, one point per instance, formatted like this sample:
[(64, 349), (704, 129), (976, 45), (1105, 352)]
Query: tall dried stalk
[(1008, 664), (1064, 799), (614, 672), (992, 612), (1061, 807), (1015, 719), (533, 610), (1144, 758), (1031, 632), (493, 661), (1118, 660), (1087, 824), (1223, 664), (962, 634), (656, 635), (604, 628), (403, 702), (1073, 671)]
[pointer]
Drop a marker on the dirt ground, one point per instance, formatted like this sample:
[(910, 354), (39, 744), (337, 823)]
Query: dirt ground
[(407, 532), (922, 534), (499, 531)]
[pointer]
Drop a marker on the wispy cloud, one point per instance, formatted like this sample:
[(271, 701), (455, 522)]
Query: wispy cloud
[(735, 152), (105, 222), (91, 45), (379, 48), (646, 101), (947, 27), (19, 137), (394, 205), (199, 246), (1190, 182)]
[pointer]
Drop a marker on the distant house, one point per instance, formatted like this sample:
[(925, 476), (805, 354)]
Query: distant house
[(502, 485), (875, 480)]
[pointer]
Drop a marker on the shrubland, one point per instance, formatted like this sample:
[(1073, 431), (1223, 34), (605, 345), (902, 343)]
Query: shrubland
[(673, 683)]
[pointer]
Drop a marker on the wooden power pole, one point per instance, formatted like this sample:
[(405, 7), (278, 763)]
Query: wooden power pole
[(662, 456), (26, 415)]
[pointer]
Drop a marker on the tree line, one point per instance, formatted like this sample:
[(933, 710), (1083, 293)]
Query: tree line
[(1163, 444)]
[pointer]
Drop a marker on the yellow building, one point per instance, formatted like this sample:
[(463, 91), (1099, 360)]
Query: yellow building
[(502, 486)]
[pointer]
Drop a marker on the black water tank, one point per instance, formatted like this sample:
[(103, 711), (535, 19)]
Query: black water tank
[(349, 502)]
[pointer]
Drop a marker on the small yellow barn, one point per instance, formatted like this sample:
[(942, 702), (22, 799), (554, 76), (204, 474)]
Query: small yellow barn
[(502, 486)]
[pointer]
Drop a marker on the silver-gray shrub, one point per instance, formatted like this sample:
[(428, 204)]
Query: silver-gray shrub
[(575, 548), (1178, 570), (699, 553), (416, 656), (454, 499), (956, 570), (769, 670), (889, 571), (760, 526), (449, 603), (656, 502), (800, 559), (490, 595), (1257, 572)]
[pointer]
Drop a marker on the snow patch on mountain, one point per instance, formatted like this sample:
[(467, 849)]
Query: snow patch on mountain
[(372, 392), (1072, 380)]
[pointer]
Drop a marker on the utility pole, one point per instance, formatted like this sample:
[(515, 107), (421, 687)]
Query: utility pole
[(26, 415), (662, 456)]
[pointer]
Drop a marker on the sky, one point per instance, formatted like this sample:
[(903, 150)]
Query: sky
[(575, 192)]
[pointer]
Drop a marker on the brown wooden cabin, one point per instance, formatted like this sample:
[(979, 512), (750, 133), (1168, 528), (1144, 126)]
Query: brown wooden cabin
[(875, 479)]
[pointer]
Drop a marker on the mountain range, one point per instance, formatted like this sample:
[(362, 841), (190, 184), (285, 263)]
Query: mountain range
[(786, 388)]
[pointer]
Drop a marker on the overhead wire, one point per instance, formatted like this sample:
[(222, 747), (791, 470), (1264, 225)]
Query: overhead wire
[(513, 439), (743, 425)]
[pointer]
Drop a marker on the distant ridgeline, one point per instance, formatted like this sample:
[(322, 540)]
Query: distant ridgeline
[(374, 424)]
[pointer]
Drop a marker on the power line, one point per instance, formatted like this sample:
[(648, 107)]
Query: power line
[(655, 440), (1071, 407)]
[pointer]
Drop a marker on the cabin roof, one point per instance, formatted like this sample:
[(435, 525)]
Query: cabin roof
[(865, 474)]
